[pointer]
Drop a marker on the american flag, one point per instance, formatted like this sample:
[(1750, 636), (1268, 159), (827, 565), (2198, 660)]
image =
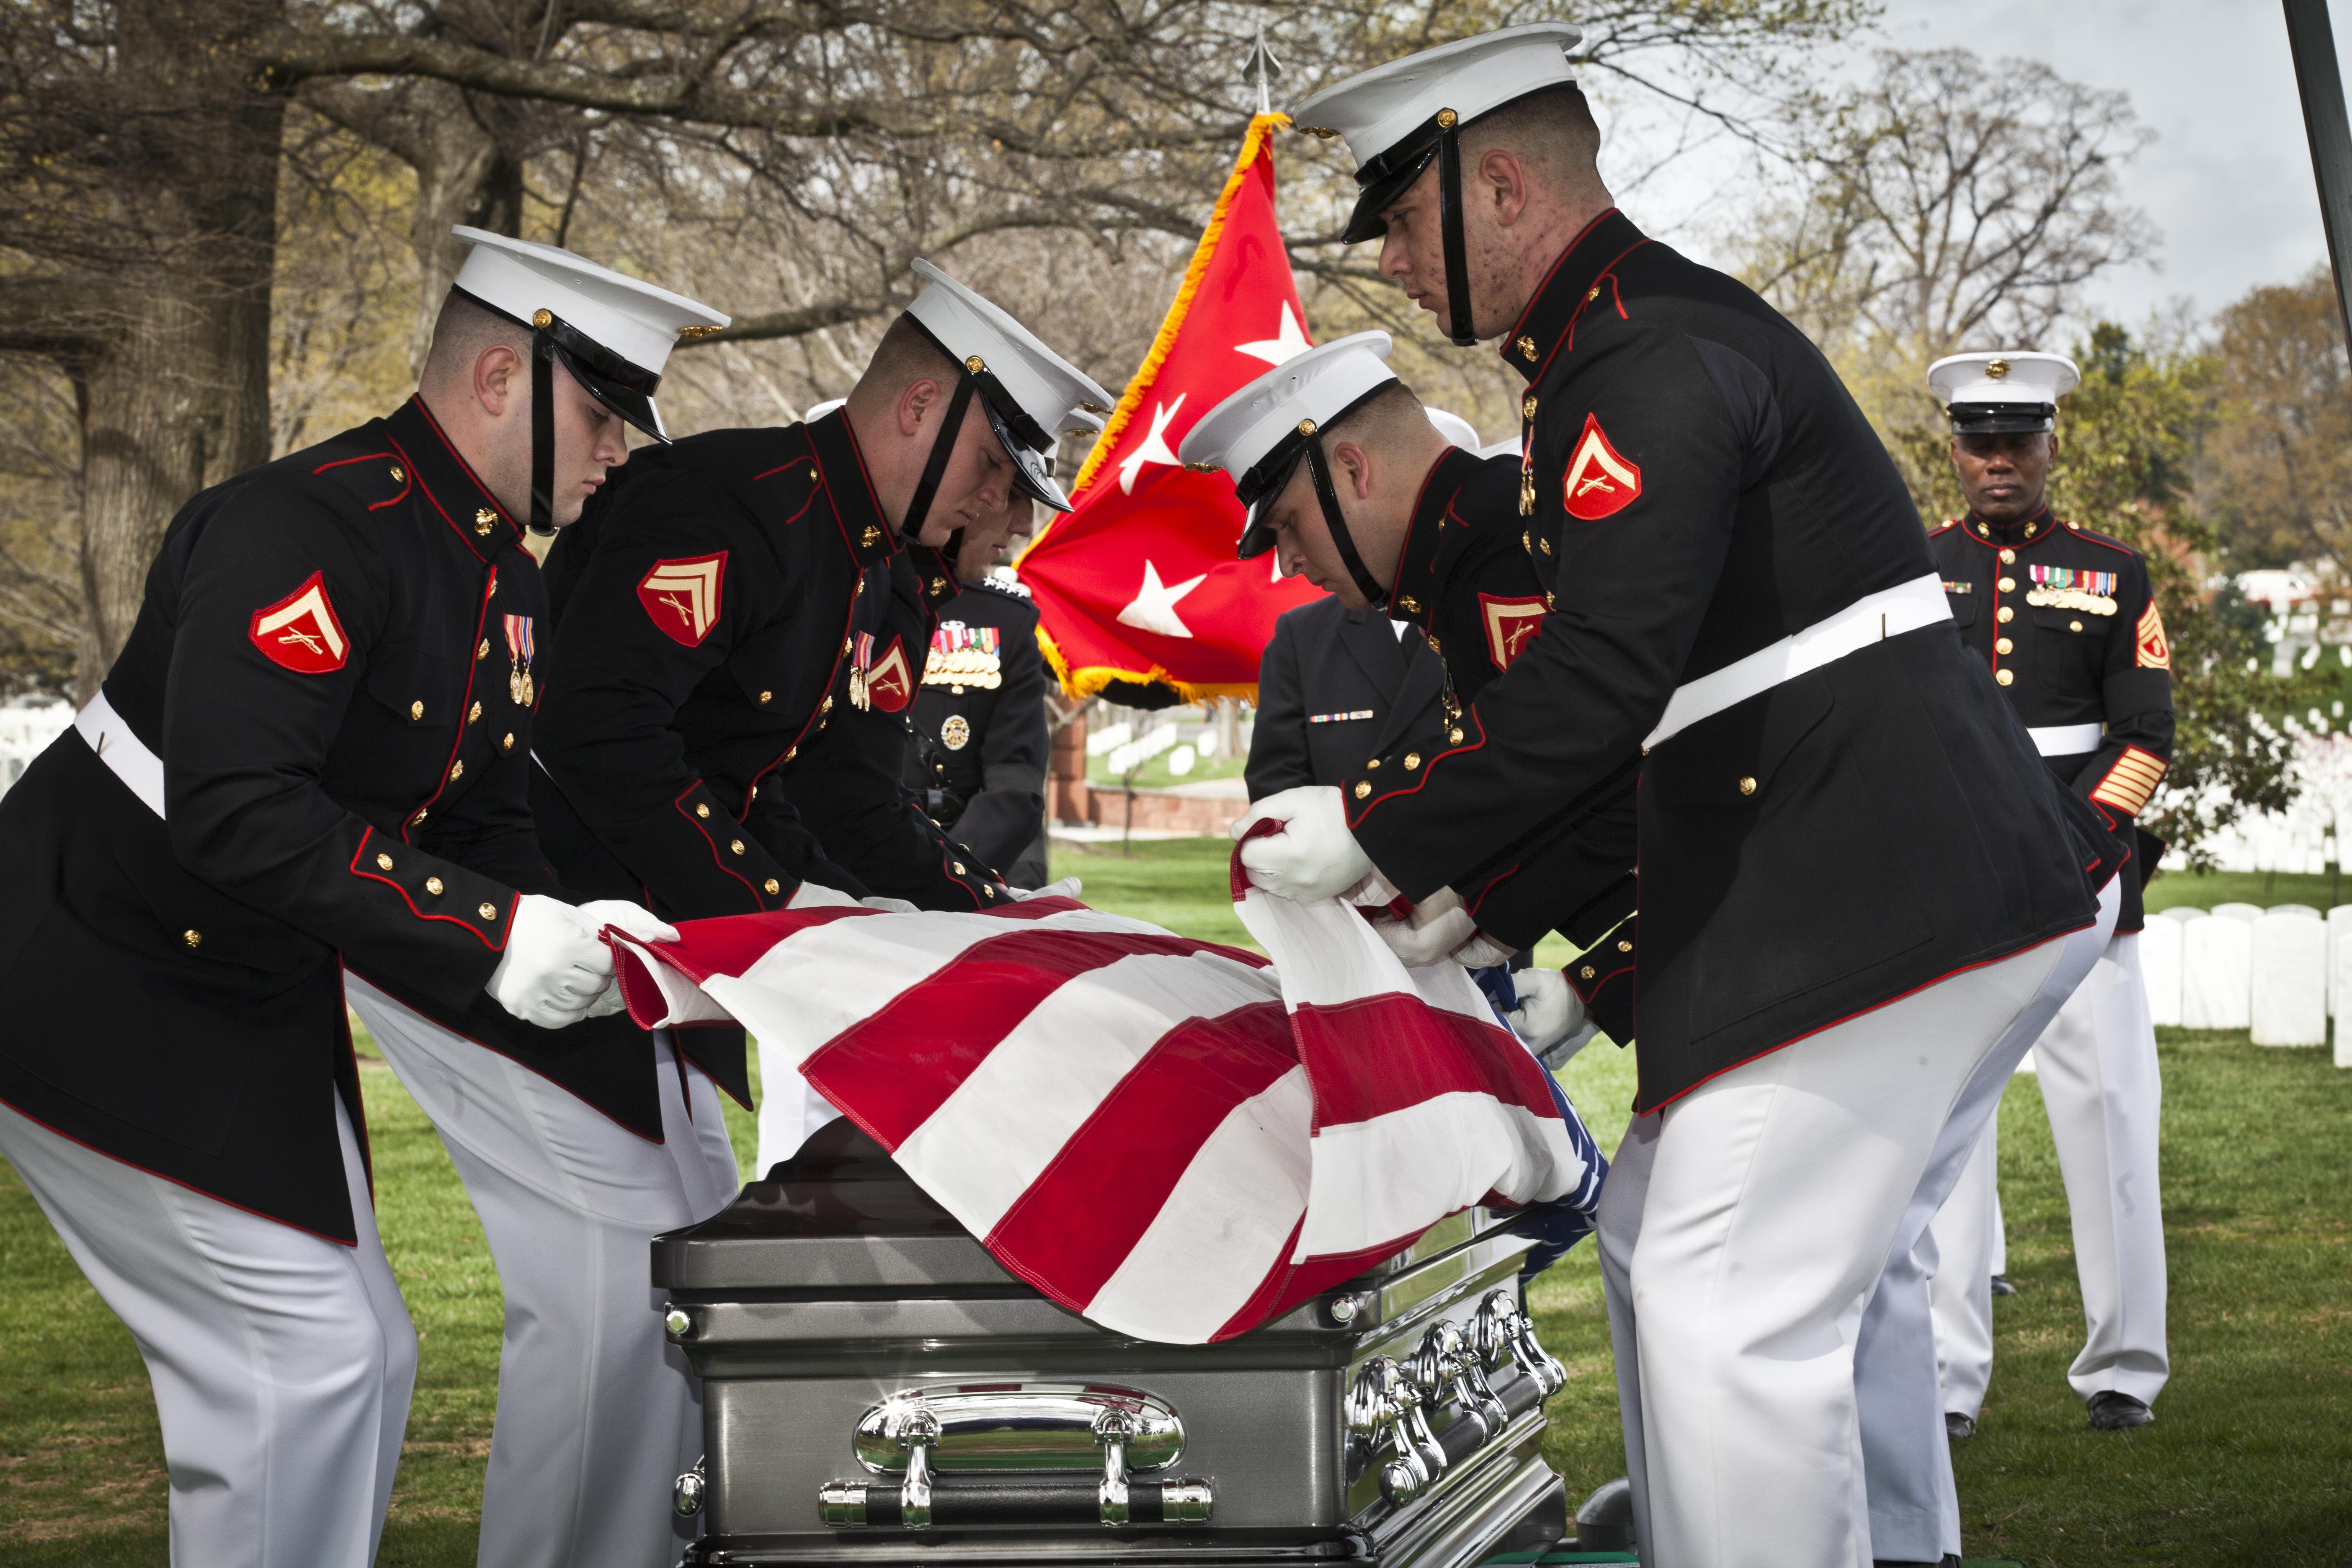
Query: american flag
[(1176, 1139)]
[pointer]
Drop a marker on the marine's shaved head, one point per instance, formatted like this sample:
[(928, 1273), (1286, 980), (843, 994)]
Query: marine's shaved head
[(460, 334)]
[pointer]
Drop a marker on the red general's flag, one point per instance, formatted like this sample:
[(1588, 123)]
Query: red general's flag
[(1140, 584)]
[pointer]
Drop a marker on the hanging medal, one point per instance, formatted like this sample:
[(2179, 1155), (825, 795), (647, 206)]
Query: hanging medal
[(858, 698), (520, 685)]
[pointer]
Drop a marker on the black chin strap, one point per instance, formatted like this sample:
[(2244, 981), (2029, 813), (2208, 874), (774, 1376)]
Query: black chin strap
[(936, 466), (1449, 222), (543, 432), (1375, 596)]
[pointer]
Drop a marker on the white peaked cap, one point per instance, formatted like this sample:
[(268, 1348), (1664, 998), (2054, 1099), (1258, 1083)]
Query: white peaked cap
[(634, 319), (1380, 108), (2002, 376), (1320, 385), (1049, 388), (1456, 430)]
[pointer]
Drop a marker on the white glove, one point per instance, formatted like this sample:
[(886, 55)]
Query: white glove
[(1068, 888), (1550, 1016), (555, 966), (1437, 926), (889, 906), (1483, 951), (635, 921), (1314, 856)]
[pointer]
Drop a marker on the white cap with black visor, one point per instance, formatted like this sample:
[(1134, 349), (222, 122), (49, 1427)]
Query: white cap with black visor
[(610, 332), (1262, 432), (1396, 117), (1030, 393), (2003, 391)]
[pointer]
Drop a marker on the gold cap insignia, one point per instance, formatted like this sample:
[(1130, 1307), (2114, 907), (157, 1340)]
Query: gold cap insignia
[(692, 334), (1996, 370)]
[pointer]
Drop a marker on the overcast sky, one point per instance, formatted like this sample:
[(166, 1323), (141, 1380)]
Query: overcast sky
[(2228, 180)]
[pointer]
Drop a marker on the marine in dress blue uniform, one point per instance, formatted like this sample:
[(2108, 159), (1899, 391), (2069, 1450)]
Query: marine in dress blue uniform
[(2065, 618), (1747, 621), (742, 625), (309, 758)]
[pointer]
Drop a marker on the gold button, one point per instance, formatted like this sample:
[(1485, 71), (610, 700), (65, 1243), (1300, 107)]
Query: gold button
[(399, 477), (1593, 294), (2007, 614), (959, 867), (489, 911), (2074, 626), (826, 705), (1454, 736), (735, 846), (1363, 788), (2007, 584), (457, 771), (702, 811), (1624, 946), (432, 886), (507, 744), (1983, 530), (416, 710), (1527, 406), (1374, 764), (1546, 543), (1747, 785), (1432, 642), (2006, 556), (1587, 972), (2002, 646), (420, 815), (484, 520), (790, 751), (193, 937), (765, 696), (1412, 759), (483, 651), (2076, 526), (987, 892), (384, 862), (1526, 542), (473, 713), (844, 644), (772, 885), (542, 318), (2004, 675)]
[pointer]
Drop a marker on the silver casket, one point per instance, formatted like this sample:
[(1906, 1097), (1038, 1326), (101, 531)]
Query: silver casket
[(877, 1388)]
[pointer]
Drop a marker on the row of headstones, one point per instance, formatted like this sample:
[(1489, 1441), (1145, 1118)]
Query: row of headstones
[(2281, 972)]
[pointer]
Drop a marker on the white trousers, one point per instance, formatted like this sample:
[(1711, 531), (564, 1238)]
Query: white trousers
[(1758, 1239), (281, 1362), (2105, 1095), (1964, 1236), (597, 1413)]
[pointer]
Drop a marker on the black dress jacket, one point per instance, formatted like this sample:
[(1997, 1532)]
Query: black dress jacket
[(1334, 686), (979, 741), (329, 663), (1465, 579), (1703, 486), (2064, 619), (739, 634)]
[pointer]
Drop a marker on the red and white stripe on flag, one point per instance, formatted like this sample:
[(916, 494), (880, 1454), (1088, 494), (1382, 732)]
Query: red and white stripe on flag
[(1172, 1137)]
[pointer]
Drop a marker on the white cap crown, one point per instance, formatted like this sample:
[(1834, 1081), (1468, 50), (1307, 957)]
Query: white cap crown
[(1319, 385), (1378, 109), (634, 319)]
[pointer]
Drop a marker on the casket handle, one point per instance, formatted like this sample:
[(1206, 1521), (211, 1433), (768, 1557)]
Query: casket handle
[(1501, 1332)]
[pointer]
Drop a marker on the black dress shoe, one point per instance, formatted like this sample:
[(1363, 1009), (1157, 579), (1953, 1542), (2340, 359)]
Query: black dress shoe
[(1948, 1560), (2114, 1412), (1959, 1427), (2001, 1287)]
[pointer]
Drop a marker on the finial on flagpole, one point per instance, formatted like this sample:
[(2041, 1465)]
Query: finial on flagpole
[(1260, 71)]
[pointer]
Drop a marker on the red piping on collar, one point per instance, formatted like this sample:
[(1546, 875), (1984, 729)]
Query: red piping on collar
[(1550, 273), (464, 467), (1608, 275), (1412, 521)]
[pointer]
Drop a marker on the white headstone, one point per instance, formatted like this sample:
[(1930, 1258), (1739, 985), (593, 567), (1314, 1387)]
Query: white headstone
[(2216, 973), (2339, 924), (2340, 970), (2304, 909), (2183, 912), (2247, 912), (2289, 992), (2160, 965)]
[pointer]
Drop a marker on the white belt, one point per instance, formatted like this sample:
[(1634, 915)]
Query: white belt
[(1872, 618), (2067, 740), (118, 749)]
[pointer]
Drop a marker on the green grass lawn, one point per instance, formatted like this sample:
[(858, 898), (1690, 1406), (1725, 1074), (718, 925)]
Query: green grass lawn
[(2249, 1463)]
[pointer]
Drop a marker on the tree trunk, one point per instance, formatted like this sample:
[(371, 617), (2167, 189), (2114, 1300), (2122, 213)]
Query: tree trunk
[(178, 398), (463, 175)]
